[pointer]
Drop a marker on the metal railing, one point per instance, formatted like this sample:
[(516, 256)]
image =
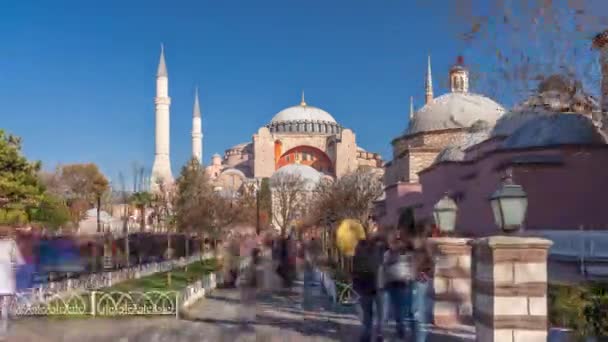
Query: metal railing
[(114, 303)]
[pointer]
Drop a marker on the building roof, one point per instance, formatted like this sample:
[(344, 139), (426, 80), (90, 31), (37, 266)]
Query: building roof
[(547, 130), (555, 95), (455, 110)]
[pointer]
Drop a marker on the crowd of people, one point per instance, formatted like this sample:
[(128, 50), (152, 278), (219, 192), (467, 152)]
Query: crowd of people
[(391, 274)]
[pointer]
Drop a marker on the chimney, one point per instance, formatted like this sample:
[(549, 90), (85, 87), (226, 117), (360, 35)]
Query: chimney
[(600, 42)]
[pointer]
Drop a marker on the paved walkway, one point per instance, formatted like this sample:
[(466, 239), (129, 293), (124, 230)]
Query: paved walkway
[(302, 313)]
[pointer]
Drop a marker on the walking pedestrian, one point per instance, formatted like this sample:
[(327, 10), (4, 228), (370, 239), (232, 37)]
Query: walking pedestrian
[(397, 274), (366, 265), (10, 259), (423, 266)]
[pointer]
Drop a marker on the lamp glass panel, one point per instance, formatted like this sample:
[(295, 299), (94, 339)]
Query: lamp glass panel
[(514, 209)]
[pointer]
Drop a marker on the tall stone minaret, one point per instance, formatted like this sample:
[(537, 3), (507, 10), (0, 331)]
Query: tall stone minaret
[(428, 87), (161, 170), (197, 130)]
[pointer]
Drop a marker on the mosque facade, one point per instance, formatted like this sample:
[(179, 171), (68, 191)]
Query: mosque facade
[(299, 135)]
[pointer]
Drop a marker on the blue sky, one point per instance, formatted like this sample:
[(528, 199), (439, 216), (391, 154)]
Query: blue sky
[(77, 77)]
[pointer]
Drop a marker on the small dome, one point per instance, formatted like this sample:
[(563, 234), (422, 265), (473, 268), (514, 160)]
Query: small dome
[(455, 110), (307, 173), (303, 113), (456, 152), (550, 130), (556, 95)]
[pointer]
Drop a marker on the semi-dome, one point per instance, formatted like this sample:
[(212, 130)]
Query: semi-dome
[(307, 173), (547, 130), (556, 95), (304, 119), (455, 110)]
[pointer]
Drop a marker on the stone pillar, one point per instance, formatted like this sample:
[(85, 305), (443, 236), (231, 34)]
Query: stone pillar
[(452, 281), (510, 289)]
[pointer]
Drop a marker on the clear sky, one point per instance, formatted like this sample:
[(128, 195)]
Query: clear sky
[(77, 77)]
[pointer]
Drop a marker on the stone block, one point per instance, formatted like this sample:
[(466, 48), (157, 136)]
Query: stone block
[(503, 273), (537, 306), (445, 308), (510, 306), (464, 261), (530, 273), (445, 261), (529, 335), (465, 309), (440, 285), (461, 286)]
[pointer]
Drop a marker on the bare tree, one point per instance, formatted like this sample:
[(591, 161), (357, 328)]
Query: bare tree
[(351, 196), (290, 194)]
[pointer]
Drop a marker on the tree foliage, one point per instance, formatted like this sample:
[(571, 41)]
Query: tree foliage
[(20, 188)]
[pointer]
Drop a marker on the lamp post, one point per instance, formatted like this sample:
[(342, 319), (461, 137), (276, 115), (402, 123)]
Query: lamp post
[(444, 213), (509, 204)]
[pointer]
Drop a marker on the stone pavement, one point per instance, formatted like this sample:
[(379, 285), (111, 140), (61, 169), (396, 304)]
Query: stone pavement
[(302, 313)]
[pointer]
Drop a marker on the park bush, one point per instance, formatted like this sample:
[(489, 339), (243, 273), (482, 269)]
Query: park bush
[(581, 307)]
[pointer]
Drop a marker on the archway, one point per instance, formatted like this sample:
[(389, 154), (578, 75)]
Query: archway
[(307, 155)]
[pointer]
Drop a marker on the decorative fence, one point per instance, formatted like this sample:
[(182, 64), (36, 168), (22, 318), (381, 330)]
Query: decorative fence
[(99, 303), (339, 292), (97, 281)]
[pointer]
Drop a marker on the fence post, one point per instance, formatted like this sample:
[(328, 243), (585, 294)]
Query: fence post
[(93, 303), (177, 305)]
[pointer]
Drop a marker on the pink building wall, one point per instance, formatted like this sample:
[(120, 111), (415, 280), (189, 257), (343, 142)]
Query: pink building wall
[(566, 192), (398, 196)]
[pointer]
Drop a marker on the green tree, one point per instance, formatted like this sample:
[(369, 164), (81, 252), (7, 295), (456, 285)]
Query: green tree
[(20, 187), (52, 212)]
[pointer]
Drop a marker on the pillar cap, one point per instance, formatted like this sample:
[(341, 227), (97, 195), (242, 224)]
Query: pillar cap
[(449, 241), (600, 40), (495, 242)]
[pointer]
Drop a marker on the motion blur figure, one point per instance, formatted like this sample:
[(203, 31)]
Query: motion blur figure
[(10, 259)]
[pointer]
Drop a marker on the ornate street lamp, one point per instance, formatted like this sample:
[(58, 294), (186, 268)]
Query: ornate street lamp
[(444, 213), (509, 203)]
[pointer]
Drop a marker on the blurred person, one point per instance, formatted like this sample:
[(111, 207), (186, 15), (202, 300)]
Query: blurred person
[(10, 259), (396, 276), (367, 262), (419, 289), (247, 282)]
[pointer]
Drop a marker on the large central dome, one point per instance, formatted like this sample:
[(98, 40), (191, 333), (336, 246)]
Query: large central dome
[(303, 112), (304, 119)]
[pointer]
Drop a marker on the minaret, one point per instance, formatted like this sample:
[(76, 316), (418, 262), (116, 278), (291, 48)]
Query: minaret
[(429, 83), (411, 108), (161, 170), (197, 130)]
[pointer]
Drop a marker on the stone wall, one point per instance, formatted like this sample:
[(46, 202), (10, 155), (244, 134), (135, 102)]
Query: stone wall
[(510, 289), (346, 153), (263, 153), (418, 161)]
